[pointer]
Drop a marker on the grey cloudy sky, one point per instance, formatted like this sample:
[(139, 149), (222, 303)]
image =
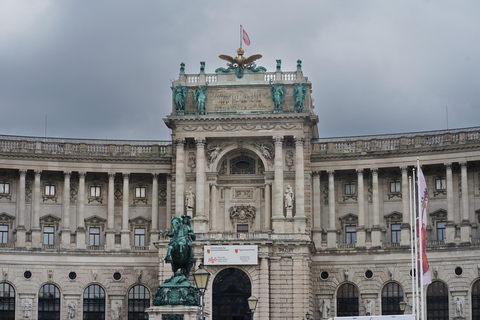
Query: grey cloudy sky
[(102, 69)]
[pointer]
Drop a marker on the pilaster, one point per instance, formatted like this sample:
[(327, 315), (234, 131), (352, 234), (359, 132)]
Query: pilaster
[(65, 238), (36, 231), (21, 231), (110, 232), (465, 225), (125, 232), (450, 226)]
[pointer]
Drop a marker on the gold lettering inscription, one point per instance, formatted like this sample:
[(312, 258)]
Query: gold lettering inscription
[(239, 101)]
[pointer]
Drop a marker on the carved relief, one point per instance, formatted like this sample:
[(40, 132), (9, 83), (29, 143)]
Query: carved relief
[(162, 195), (242, 214), (73, 191), (242, 193), (192, 161), (289, 159)]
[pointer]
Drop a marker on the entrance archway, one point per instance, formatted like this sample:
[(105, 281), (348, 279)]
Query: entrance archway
[(231, 289)]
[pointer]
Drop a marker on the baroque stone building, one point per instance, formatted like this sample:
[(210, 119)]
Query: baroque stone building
[(83, 222)]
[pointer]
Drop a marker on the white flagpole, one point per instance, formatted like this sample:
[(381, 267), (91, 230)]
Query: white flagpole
[(417, 304), (412, 244), (241, 36), (420, 231)]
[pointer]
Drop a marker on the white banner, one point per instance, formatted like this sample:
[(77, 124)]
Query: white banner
[(230, 255)]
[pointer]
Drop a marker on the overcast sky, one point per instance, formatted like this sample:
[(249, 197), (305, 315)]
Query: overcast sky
[(102, 69)]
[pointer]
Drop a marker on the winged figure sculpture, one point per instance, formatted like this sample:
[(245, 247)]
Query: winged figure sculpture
[(240, 63)]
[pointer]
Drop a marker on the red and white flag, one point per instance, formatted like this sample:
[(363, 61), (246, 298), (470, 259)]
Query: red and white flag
[(423, 196), (246, 39)]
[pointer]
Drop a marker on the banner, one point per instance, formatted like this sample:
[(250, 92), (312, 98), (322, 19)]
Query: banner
[(230, 255), (422, 214)]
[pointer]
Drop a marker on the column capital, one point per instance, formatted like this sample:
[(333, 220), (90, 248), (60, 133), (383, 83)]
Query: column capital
[(299, 140), (22, 172), (360, 171), (278, 140), (200, 142), (111, 175), (180, 143), (448, 165), (67, 174), (331, 172), (155, 175), (82, 174), (267, 184), (374, 171), (315, 173), (38, 173), (463, 164), (169, 176), (126, 175), (404, 169)]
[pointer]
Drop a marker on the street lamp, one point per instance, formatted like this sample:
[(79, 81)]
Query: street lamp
[(308, 316), (402, 305), (201, 277), (252, 304)]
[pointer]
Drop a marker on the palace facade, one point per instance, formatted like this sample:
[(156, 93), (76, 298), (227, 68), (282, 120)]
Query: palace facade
[(83, 223)]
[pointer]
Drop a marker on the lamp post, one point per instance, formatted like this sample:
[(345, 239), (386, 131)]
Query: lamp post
[(402, 304), (252, 304), (201, 277), (308, 316)]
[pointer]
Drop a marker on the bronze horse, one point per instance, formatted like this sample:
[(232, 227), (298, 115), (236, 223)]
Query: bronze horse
[(180, 250)]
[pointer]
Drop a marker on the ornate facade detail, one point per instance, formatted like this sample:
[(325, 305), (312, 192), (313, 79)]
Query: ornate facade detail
[(242, 214), (267, 151), (192, 161), (162, 195), (289, 159), (118, 193)]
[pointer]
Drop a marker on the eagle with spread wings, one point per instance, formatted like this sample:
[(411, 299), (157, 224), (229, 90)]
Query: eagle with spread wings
[(240, 61)]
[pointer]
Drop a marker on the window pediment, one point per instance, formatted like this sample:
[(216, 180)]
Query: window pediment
[(349, 218), (440, 214)]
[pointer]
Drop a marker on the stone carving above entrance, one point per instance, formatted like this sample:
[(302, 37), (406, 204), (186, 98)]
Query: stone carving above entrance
[(242, 214)]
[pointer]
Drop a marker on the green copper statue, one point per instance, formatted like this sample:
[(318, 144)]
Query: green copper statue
[(278, 93), (178, 290), (201, 98), (299, 93), (180, 95)]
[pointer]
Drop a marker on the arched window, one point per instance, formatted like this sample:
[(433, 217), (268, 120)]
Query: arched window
[(242, 165), (49, 303), (94, 303), (231, 289), (138, 301), (437, 301), (347, 300), (476, 300), (7, 302), (392, 294)]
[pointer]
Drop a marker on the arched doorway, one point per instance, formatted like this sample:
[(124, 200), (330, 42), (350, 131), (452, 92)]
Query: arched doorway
[(437, 301), (392, 294), (231, 289), (347, 300)]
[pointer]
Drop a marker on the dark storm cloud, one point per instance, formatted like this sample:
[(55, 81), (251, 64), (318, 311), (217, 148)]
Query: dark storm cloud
[(102, 69)]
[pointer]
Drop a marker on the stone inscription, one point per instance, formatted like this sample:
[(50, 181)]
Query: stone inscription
[(253, 100)]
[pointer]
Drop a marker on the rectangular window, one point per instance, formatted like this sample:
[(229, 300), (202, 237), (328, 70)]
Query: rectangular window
[(95, 191), (94, 236), (4, 188), (49, 236), (350, 189), (440, 184), (140, 192), (242, 227), (50, 190), (139, 237), (395, 187), (3, 234), (441, 231), (350, 234), (396, 232)]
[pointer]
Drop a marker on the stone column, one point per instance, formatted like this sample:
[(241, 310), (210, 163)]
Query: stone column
[(278, 218), (200, 222), (110, 232), (81, 212), (466, 226), (264, 290), (21, 230), (65, 239), (168, 215), (213, 207), (154, 229), (332, 230), (36, 231), (268, 206), (180, 178), (125, 232), (361, 232), (300, 219), (376, 229), (450, 226), (301, 280), (405, 228)]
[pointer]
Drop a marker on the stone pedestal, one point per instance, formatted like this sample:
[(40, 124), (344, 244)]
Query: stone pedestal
[(172, 313)]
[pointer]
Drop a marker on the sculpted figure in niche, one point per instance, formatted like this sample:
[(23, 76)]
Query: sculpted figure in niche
[(299, 93), (180, 95), (289, 159), (192, 162), (201, 98), (325, 309), (27, 308), (214, 152), (72, 309), (368, 307), (189, 198), (117, 310), (459, 308), (289, 196), (278, 93)]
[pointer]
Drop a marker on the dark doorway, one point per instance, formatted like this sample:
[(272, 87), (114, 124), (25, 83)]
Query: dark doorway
[(231, 289)]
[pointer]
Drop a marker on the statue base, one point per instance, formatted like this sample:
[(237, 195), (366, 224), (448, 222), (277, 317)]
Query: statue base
[(177, 291), (172, 313)]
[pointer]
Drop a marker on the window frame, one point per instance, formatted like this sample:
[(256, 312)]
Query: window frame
[(392, 294), (4, 234), (48, 236), (442, 229), (138, 298), (396, 232), (47, 303), (94, 308), (350, 236), (3, 186), (139, 237), (96, 236), (7, 301)]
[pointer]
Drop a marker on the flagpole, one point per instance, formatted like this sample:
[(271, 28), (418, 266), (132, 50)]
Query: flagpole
[(241, 36), (416, 272), (412, 244), (420, 217)]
